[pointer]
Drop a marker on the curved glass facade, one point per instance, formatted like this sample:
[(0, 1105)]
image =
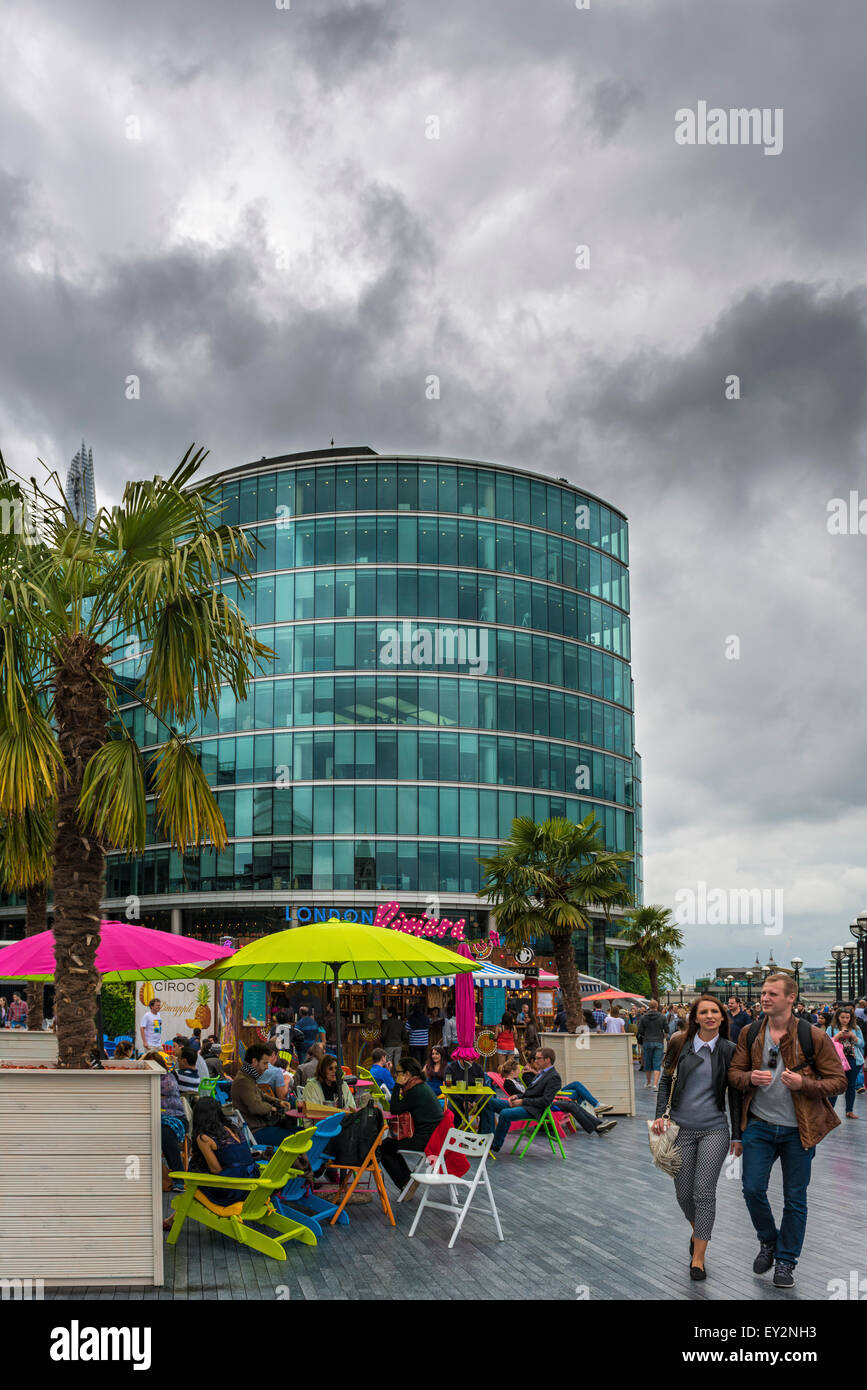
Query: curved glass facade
[(451, 648)]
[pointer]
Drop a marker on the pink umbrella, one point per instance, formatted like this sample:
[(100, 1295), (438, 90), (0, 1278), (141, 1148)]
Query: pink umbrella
[(125, 952), (465, 1012)]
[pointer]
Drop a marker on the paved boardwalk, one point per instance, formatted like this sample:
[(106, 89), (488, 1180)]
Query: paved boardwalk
[(605, 1221)]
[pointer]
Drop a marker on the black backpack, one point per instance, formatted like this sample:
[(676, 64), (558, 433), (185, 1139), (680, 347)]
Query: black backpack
[(805, 1039)]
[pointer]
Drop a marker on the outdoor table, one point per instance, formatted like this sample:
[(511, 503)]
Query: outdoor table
[(452, 1093)]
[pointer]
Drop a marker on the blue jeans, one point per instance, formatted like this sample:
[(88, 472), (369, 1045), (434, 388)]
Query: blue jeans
[(652, 1057), (851, 1089), (578, 1092), (763, 1145), (490, 1113), (508, 1115)]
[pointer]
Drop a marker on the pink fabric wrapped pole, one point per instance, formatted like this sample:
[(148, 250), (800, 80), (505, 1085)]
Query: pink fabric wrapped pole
[(465, 1013)]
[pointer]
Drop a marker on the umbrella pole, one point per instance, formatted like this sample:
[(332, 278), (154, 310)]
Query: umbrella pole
[(336, 1000), (100, 1028)]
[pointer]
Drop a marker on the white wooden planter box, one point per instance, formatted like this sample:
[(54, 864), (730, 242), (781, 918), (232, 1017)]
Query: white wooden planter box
[(27, 1044), (602, 1062), (80, 1174)]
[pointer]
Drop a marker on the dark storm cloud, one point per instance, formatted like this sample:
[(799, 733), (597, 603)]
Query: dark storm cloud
[(612, 101)]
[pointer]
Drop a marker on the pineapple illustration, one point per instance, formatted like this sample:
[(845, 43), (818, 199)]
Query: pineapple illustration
[(146, 993), (203, 1012)]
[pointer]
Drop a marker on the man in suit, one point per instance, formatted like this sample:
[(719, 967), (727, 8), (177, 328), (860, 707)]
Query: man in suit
[(533, 1103)]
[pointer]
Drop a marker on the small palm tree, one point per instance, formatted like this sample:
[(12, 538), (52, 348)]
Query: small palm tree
[(74, 598), (25, 866), (655, 939), (544, 880)]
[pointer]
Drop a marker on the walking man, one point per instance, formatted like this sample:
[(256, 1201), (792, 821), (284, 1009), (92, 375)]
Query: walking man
[(788, 1070), (652, 1036)]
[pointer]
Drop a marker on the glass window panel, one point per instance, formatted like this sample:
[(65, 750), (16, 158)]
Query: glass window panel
[(323, 701), (386, 810), (407, 865), (448, 703), (267, 497), (244, 811), (427, 487), (344, 809), (448, 541), (407, 540), (449, 867), (386, 543), (506, 654), (305, 491), (469, 759), (556, 713), (407, 757), (428, 756), (467, 544), (229, 513), (265, 550), (365, 487), (448, 757), (406, 710), (226, 762), (262, 813), (386, 596), (344, 541), (448, 595), (263, 705), (506, 762), (468, 692), (504, 492), (326, 489), (538, 512), (523, 762), (506, 811), (344, 646), (505, 548), (365, 540), (407, 487), (345, 484), (344, 594), (487, 599), (523, 710), (386, 754), (539, 557), (325, 542), (505, 600), (303, 692), (302, 865), (555, 559), (324, 659), (555, 663), (540, 606), (386, 486), (323, 864), (506, 707), (487, 705), (344, 754), (487, 758), (386, 864), (447, 489), (285, 496), (305, 544), (554, 517), (467, 491), (407, 593), (323, 811), (248, 500), (485, 499), (302, 749), (487, 545), (285, 553)]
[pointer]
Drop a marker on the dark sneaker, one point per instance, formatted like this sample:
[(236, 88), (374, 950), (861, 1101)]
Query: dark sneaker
[(764, 1259), (784, 1275), (605, 1126)]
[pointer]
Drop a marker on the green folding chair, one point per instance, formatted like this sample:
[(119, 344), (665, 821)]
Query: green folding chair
[(546, 1125)]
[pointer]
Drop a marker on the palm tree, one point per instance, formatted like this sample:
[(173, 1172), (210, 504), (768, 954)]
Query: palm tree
[(544, 879), (25, 866), (74, 597), (655, 938)]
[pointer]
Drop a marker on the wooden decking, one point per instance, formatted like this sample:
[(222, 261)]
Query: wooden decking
[(604, 1221)]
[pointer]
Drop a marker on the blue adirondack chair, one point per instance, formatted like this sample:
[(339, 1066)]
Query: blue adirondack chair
[(303, 1206)]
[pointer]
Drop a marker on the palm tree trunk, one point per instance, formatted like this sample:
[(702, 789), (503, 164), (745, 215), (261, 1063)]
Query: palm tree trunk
[(79, 860), (570, 982), (654, 979), (36, 921)]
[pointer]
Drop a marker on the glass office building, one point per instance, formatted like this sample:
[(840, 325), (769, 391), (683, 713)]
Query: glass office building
[(452, 650)]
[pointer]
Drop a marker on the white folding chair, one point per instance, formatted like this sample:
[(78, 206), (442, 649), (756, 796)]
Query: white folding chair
[(473, 1147)]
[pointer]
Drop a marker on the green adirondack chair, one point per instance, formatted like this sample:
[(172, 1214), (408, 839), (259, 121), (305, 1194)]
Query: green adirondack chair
[(256, 1207), (544, 1125)]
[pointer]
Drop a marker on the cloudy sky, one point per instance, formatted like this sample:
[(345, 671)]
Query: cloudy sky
[(241, 205)]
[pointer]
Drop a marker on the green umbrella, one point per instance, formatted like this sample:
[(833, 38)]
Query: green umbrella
[(342, 952)]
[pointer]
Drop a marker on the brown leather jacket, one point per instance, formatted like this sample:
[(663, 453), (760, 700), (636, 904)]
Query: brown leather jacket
[(825, 1078)]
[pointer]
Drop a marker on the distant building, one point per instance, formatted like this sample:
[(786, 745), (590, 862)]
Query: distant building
[(80, 491)]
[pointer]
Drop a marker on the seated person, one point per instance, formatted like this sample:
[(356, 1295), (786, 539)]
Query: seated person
[(380, 1070), (435, 1069), (328, 1088), (173, 1120), (274, 1075), (411, 1096), (510, 1073), (196, 1040), (182, 1041), (218, 1148), (267, 1119), (538, 1096), (122, 1052), (308, 1069), (186, 1073)]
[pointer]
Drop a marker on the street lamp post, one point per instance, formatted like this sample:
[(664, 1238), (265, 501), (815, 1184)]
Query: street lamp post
[(797, 964), (849, 952), (837, 957), (859, 931), (749, 977)]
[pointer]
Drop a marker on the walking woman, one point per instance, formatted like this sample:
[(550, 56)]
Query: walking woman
[(845, 1031), (697, 1062)]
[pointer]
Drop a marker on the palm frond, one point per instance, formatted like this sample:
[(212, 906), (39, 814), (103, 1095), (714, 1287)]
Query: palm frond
[(112, 802), (187, 809)]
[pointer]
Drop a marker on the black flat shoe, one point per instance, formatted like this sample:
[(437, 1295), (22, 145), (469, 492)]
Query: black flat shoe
[(695, 1272)]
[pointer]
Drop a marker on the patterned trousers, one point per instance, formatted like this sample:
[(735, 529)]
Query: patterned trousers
[(703, 1153)]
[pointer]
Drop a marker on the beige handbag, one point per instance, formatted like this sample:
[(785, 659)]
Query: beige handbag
[(663, 1149)]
